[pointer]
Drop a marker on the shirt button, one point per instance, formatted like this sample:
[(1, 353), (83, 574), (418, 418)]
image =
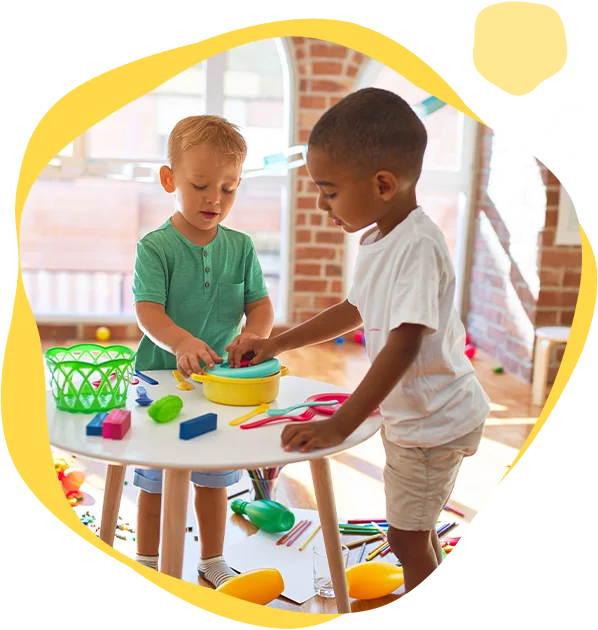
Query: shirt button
[(207, 285), (205, 253), (207, 270)]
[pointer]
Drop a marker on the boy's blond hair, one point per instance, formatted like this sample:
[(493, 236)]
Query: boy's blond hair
[(211, 130)]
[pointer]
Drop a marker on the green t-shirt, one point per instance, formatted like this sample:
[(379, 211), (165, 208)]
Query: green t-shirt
[(204, 289)]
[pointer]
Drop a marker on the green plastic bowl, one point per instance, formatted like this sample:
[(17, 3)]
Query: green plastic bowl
[(80, 376)]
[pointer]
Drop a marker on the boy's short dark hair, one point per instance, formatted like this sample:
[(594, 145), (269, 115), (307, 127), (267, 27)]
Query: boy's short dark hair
[(372, 130)]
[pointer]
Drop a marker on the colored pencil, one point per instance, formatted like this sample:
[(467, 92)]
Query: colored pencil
[(282, 540), (385, 551), (367, 521), (379, 529), (362, 553), (263, 481), (360, 528), (376, 551), (361, 541), (304, 545), (238, 494), (298, 533), (443, 529), (450, 509)]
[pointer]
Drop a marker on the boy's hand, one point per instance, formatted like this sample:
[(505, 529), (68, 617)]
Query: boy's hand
[(305, 437), (190, 352), (262, 349), (244, 336)]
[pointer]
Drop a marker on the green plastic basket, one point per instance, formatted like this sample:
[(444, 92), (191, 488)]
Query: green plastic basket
[(80, 376)]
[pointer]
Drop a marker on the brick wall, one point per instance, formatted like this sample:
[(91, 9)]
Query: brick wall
[(560, 273), (325, 73), (520, 280)]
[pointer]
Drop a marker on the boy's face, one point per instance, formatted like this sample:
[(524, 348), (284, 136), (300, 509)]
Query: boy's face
[(204, 184), (353, 201)]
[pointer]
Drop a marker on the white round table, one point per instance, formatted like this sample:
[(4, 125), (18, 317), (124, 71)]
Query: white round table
[(157, 446)]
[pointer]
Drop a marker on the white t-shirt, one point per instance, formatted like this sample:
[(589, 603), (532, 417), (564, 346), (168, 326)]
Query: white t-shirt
[(407, 277)]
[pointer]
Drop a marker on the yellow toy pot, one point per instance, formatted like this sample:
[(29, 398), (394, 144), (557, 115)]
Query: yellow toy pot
[(238, 392)]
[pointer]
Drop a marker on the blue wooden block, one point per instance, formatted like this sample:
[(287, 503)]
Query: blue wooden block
[(95, 426), (198, 426)]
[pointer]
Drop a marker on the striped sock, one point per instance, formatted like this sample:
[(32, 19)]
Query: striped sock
[(215, 570), (148, 561)]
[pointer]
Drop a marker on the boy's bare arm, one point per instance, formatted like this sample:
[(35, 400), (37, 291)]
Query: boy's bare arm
[(391, 363), (155, 323), (329, 324), (260, 318)]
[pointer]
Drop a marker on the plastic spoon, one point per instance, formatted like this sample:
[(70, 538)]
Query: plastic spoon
[(304, 417), (284, 412), (182, 384), (143, 400), (247, 416)]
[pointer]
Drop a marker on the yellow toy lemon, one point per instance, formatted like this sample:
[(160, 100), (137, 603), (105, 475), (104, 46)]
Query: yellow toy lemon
[(103, 333), (370, 580), (260, 586)]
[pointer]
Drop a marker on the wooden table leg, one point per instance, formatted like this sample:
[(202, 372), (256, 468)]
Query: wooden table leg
[(322, 479), (175, 495), (115, 477)]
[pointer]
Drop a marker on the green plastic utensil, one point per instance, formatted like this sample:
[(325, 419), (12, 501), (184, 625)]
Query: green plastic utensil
[(284, 412)]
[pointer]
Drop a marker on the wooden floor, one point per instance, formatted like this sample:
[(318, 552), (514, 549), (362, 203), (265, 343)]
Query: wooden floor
[(357, 473)]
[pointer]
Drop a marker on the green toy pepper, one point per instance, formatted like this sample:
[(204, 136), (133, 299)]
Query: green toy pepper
[(165, 409)]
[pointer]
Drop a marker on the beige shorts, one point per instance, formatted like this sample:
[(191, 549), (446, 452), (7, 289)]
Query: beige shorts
[(418, 481)]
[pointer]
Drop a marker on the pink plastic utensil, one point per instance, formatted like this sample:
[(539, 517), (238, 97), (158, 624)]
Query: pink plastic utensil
[(304, 417), (134, 380)]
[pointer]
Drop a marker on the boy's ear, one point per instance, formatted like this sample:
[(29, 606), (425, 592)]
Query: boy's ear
[(167, 179), (386, 185)]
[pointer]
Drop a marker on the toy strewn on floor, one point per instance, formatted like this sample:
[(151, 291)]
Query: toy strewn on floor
[(260, 586), (103, 334), (267, 515), (371, 580), (70, 479)]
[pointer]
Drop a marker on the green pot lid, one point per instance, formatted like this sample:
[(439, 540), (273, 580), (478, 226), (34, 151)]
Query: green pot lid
[(263, 370)]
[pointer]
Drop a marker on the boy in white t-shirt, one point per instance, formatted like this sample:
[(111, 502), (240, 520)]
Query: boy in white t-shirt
[(365, 155)]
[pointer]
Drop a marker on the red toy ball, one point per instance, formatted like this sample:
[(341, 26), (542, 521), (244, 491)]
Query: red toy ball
[(359, 336), (469, 351)]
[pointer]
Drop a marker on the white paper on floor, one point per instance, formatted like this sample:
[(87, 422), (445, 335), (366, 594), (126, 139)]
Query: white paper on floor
[(296, 567)]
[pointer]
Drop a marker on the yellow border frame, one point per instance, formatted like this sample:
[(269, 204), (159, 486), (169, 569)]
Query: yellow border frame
[(50, 574)]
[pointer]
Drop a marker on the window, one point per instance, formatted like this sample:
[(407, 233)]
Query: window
[(101, 193), (139, 130)]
